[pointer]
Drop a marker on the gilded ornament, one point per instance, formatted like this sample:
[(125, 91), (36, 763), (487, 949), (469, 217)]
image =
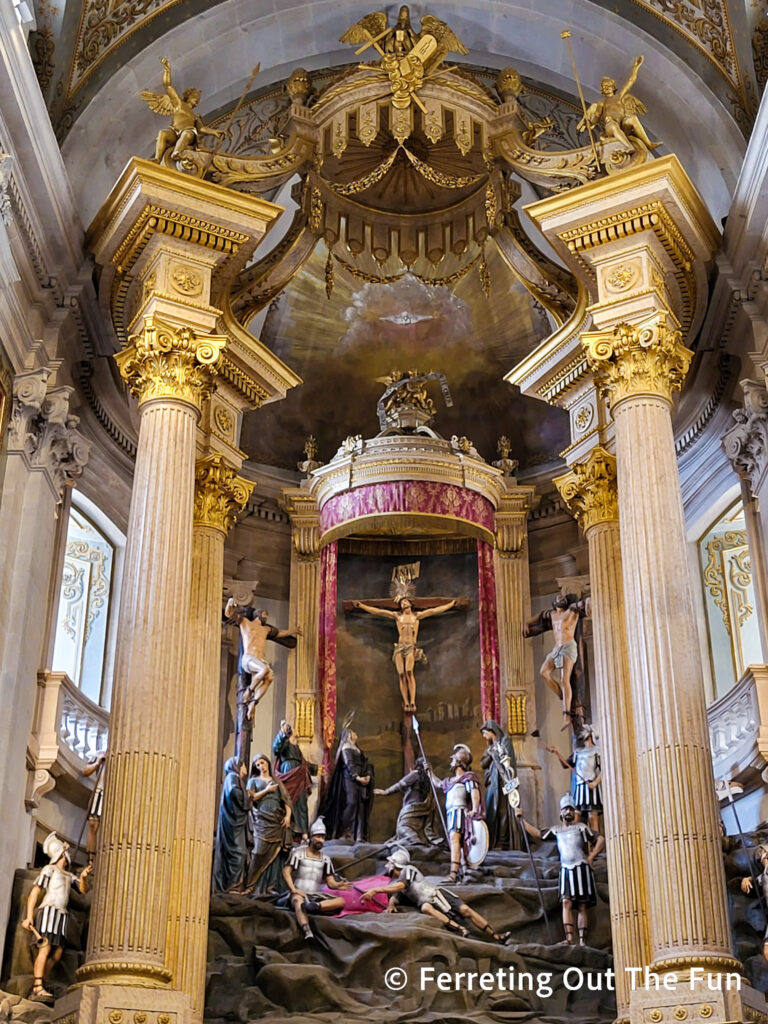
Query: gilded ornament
[(220, 494), (329, 275), (639, 359), (174, 363), (509, 84), (485, 276), (583, 418), (619, 113), (186, 281), (407, 56), (517, 719), (315, 209), (299, 86), (186, 126), (305, 717), (115, 1017), (589, 489), (223, 421), (164, 1018), (622, 277), (705, 1010), (655, 1016), (140, 1017), (680, 1013)]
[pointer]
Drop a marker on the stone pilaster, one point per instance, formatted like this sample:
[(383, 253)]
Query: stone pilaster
[(45, 454), (513, 607), (302, 707), (746, 445), (640, 367), (589, 490), (220, 494)]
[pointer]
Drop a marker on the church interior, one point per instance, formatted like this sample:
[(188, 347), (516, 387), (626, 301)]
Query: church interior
[(384, 511)]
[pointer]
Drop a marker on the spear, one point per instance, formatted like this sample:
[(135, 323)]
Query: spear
[(521, 821), (566, 35), (417, 730)]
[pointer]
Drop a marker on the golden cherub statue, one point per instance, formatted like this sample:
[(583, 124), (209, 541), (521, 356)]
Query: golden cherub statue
[(185, 125), (619, 111), (407, 56)]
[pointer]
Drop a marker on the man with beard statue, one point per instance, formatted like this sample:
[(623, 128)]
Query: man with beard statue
[(415, 820), (307, 871), (463, 805), (347, 806), (578, 846), (296, 773)]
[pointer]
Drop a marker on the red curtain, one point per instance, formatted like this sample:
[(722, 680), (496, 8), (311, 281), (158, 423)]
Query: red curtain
[(490, 687)]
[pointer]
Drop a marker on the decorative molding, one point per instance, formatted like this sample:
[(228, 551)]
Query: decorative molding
[(590, 490), (639, 359), (706, 25), (746, 443), (220, 494), (43, 432), (167, 362), (738, 581)]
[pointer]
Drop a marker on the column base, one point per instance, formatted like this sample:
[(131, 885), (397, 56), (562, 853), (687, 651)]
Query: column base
[(122, 1004), (698, 1000)]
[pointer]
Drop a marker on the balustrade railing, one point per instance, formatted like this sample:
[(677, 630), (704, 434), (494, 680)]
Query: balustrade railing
[(68, 731)]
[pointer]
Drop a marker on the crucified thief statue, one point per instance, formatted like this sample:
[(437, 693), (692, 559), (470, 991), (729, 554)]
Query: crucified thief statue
[(407, 618), (564, 620)]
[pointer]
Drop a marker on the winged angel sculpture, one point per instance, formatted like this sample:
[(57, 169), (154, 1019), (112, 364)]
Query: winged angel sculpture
[(407, 57), (185, 125), (619, 112)]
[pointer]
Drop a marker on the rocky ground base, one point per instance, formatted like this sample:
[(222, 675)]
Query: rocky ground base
[(261, 969)]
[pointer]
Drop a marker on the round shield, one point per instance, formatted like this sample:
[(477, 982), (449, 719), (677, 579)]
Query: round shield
[(514, 798), (477, 843)]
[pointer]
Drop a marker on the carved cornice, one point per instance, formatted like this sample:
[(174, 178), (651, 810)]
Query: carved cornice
[(305, 523), (590, 491), (43, 432), (639, 359), (172, 363), (220, 494), (746, 443)]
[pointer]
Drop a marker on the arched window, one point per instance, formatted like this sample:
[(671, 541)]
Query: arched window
[(85, 617), (734, 632)]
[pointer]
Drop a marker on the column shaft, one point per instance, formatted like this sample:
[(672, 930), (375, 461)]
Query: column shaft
[(686, 884), (621, 807), (191, 861), (130, 904)]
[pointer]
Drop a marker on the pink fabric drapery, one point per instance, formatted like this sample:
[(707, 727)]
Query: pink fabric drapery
[(403, 496), (490, 687), (326, 646)]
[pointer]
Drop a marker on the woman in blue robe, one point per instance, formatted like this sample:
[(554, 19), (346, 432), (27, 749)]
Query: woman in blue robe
[(229, 849)]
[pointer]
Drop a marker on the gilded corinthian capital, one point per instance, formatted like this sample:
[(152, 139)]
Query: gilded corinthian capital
[(219, 493), (589, 490), (648, 358), (164, 361)]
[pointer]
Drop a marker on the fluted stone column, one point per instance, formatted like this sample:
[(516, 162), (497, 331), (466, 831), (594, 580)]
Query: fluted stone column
[(219, 495), (590, 492), (513, 608), (301, 703), (45, 454), (170, 371), (641, 367)]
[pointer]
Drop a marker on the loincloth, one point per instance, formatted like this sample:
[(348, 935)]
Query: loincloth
[(406, 649), (567, 650)]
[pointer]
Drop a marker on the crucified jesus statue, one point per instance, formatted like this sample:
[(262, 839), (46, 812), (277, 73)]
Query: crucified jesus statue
[(406, 653)]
